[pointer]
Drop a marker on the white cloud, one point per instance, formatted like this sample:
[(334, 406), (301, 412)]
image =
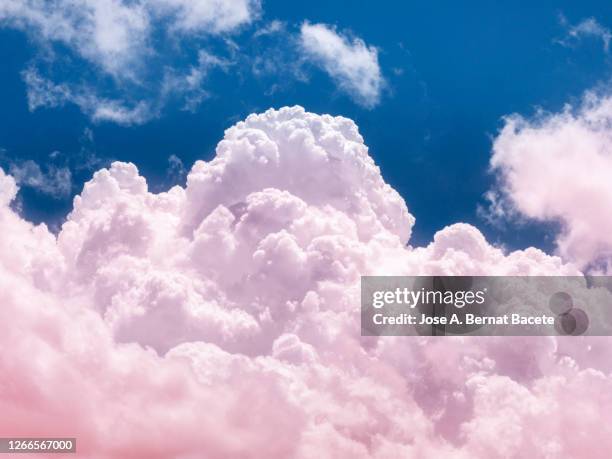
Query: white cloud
[(558, 167), (273, 27), (53, 175), (589, 27), (43, 93), (176, 173), (122, 41), (208, 16), (115, 110), (189, 84), (111, 34), (350, 62), (116, 35), (54, 181), (8, 188)]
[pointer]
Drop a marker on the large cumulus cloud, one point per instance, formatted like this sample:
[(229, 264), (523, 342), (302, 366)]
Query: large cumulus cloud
[(222, 319)]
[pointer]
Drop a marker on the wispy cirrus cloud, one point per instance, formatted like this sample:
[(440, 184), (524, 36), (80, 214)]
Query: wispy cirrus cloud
[(54, 181), (123, 61), (55, 174), (273, 27), (207, 16), (189, 84), (44, 93), (112, 34), (117, 59), (116, 35), (51, 179), (587, 28)]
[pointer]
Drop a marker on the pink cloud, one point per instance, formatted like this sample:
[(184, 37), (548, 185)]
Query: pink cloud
[(222, 319), (557, 167)]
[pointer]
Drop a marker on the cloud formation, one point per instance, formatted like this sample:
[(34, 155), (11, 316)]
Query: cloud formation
[(230, 307), (54, 175), (124, 61), (208, 16), (55, 181), (117, 35), (117, 47), (351, 63), (557, 167), (44, 93), (589, 27)]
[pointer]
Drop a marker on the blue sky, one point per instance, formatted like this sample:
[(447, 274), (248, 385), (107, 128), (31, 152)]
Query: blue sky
[(444, 75)]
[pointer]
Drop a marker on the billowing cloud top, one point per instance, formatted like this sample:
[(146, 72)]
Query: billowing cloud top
[(222, 319)]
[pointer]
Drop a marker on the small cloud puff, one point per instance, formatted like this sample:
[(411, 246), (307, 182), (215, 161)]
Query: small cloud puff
[(351, 63)]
